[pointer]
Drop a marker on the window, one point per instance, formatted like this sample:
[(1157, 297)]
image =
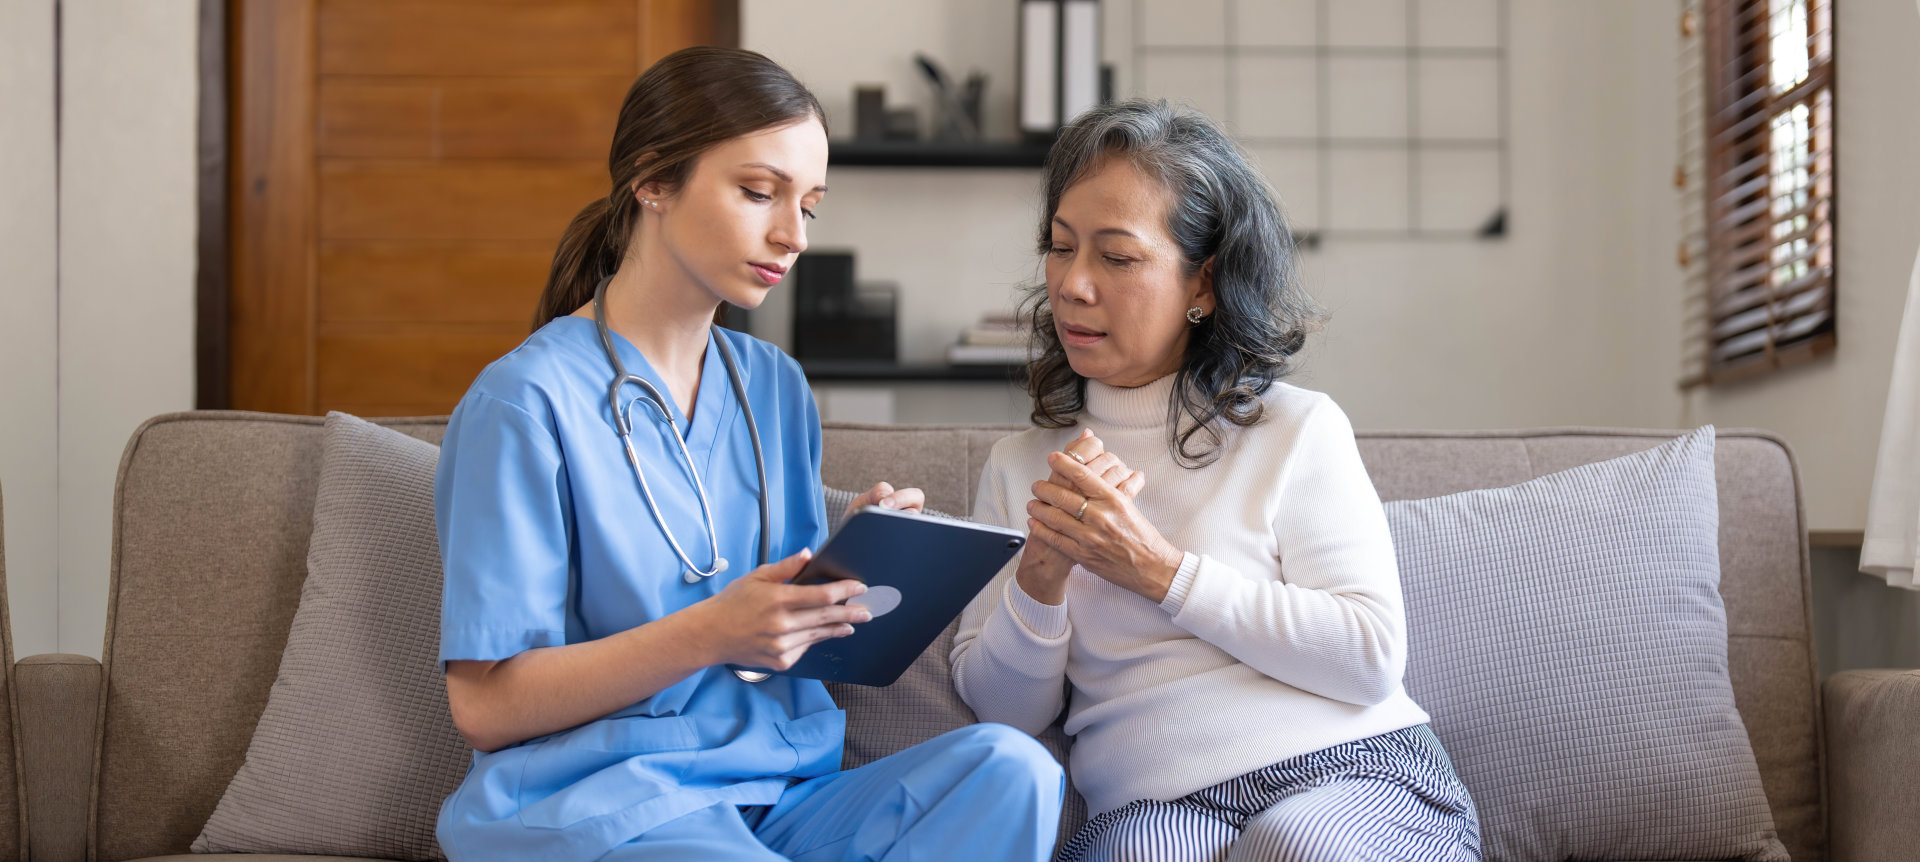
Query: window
[(1756, 178)]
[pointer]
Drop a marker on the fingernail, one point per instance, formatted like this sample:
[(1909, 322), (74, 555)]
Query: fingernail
[(859, 589), (865, 616), (887, 503)]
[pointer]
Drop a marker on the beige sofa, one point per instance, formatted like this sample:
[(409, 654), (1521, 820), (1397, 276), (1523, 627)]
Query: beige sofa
[(126, 758)]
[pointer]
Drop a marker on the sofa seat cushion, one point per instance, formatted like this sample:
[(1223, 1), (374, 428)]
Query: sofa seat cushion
[(259, 857), (1568, 638)]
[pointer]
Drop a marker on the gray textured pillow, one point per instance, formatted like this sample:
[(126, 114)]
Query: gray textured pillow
[(356, 748), (1568, 637)]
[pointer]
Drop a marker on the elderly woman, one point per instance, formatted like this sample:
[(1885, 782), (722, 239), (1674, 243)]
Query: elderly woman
[(1211, 591)]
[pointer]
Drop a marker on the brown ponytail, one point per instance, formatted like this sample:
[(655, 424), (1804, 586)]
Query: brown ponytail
[(684, 105)]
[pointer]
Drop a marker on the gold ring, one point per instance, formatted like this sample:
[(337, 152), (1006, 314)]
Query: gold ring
[(1083, 509)]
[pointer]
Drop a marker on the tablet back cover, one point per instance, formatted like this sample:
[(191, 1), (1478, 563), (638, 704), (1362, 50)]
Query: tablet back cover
[(936, 565)]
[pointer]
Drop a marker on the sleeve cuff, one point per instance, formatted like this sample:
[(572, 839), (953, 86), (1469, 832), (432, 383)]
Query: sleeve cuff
[(1182, 584), (489, 643), (1048, 622)]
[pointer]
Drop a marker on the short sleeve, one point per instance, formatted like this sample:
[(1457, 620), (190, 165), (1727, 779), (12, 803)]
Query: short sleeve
[(814, 532), (501, 501), (798, 433)]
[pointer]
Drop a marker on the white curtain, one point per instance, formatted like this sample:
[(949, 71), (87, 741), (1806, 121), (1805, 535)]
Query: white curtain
[(1892, 546)]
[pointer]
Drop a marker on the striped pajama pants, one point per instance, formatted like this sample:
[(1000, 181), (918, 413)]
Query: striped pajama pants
[(1388, 797)]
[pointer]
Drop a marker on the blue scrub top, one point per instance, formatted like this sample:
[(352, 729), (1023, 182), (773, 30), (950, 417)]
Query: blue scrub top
[(545, 540)]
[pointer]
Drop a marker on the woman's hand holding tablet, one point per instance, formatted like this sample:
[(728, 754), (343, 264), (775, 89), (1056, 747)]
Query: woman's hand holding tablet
[(762, 621), (919, 571)]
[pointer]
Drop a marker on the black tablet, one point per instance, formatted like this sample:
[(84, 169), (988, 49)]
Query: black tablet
[(920, 572)]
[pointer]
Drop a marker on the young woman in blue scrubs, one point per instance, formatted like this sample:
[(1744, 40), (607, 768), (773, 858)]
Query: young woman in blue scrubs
[(588, 643)]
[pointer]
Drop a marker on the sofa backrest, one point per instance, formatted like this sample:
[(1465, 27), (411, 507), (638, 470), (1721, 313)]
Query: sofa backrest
[(214, 510), (13, 821), (212, 514), (1763, 555)]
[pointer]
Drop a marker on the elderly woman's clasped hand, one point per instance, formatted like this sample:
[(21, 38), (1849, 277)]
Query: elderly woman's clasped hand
[(1085, 512)]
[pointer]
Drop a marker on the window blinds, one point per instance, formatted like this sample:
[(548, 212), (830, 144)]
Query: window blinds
[(1755, 177)]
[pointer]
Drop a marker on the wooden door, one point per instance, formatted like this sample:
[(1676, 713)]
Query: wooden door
[(401, 172)]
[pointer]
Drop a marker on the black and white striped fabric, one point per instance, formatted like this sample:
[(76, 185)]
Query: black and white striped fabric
[(1392, 796)]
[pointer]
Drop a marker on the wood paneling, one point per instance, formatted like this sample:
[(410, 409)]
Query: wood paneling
[(407, 373), (455, 200), (273, 207), (402, 174), (565, 37), (377, 118), (389, 281), (469, 118), (213, 278), (675, 24)]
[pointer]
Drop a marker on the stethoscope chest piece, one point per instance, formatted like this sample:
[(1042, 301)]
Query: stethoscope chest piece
[(694, 577)]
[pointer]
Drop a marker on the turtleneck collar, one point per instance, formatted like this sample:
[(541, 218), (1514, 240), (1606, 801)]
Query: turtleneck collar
[(1138, 407)]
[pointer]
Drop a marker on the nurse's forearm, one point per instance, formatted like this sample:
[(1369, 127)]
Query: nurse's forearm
[(550, 689)]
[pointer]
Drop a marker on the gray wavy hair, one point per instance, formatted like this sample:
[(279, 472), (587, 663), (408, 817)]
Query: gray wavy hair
[(1222, 210)]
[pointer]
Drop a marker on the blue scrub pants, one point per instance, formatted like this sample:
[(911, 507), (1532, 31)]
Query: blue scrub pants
[(986, 791)]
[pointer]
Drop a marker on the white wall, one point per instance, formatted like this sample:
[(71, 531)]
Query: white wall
[(130, 91), (1542, 327), (1545, 327), (1830, 411), (95, 350), (29, 442)]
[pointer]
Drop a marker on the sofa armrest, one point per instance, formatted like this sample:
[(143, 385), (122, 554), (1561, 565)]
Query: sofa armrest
[(1873, 764), (59, 698)]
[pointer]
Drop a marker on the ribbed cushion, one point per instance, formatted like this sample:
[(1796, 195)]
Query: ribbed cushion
[(356, 748), (1569, 639)]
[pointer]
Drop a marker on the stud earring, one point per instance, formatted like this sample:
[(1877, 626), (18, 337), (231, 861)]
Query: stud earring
[(645, 202), (1194, 314)]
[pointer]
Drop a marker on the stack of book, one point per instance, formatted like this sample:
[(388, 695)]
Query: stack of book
[(998, 339)]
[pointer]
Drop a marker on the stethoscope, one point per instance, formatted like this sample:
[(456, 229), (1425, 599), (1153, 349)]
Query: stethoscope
[(623, 423)]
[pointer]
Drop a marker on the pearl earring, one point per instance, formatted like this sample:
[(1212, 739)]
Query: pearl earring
[(1194, 314)]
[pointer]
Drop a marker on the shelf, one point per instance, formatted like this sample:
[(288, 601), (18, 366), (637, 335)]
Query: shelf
[(855, 370), (937, 154)]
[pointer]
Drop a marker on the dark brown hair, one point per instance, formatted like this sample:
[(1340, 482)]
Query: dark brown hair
[(685, 104), (1222, 210)]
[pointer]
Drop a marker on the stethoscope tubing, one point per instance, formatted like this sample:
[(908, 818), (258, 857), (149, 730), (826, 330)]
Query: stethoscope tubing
[(623, 424)]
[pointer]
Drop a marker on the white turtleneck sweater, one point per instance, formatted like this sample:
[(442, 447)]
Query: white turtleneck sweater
[(1283, 632)]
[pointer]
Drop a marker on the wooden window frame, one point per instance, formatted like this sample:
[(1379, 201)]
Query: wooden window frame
[(1750, 286)]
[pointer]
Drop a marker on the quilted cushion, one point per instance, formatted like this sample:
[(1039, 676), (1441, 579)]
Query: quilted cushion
[(1567, 636)]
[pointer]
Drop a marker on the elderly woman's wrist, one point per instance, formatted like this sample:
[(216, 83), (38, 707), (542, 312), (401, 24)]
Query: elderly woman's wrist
[(1162, 572)]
